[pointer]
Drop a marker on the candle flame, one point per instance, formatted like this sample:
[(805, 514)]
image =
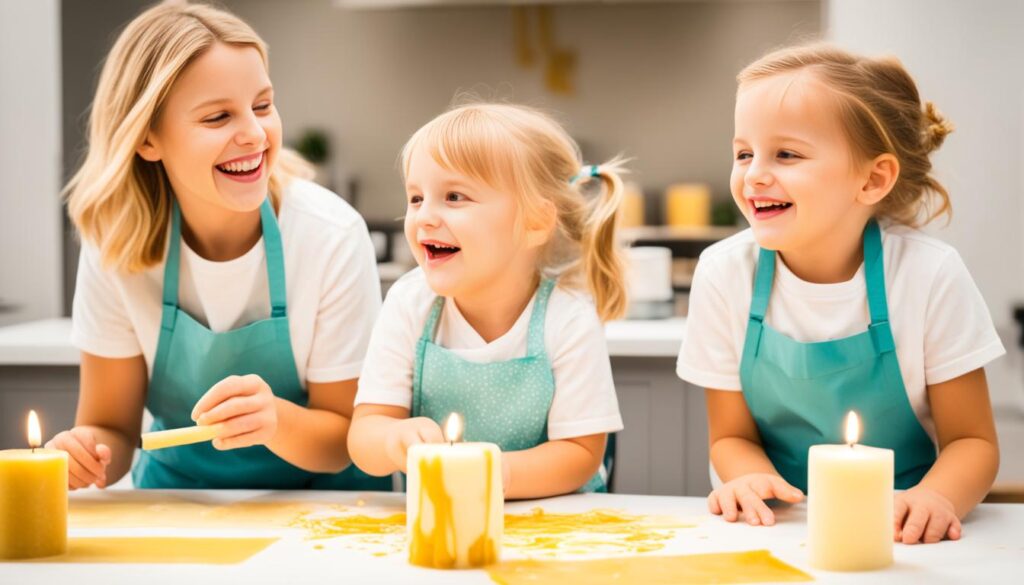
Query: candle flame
[(453, 428), (852, 428), (35, 436)]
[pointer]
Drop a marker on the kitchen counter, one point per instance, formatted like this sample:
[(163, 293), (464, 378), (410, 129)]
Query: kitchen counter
[(48, 342), (991, 551)]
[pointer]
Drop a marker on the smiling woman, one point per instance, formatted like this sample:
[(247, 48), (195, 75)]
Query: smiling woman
[(213, 277)]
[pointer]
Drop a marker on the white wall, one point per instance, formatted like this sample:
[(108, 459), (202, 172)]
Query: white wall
[(653, 80), (965, 57), (30, 166)]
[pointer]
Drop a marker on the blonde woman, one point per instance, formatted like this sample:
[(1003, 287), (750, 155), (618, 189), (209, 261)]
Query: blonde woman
[(502, 321), (215, 285), (832, 302)]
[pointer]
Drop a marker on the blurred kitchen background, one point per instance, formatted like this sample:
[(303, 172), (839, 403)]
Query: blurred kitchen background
[(653, 80)]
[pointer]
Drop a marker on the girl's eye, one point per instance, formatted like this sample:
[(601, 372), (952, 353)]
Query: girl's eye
[(218, 118), (454, 197), (263, 107), (785, 154), (744, 156), (415, 199)]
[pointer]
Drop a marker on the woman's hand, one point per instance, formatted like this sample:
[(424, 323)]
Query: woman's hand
[(746, 494), (245, 406), (87, 459), (408, 432), (924, 515)]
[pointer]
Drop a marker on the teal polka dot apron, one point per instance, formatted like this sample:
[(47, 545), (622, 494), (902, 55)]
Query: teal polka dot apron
[(190, 359), (799, 393), (506, 402)]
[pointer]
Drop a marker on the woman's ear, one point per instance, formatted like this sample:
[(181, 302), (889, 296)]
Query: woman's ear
[(147, 150), (882, 173)]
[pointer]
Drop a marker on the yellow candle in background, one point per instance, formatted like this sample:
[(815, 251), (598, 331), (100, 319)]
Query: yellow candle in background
[(688, 204), (33, 499), (850, 504), (454, 502), (631, 213)]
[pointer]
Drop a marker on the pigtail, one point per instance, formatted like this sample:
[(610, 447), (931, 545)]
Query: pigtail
[(600, 258)]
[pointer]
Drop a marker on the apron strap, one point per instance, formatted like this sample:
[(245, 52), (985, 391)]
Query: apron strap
[(170, 293), (764, 274), (274, 250), (874, 274), (535, 335), (433, 319)]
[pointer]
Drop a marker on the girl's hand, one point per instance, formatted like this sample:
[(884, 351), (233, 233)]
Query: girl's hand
[(924, 515), (87, 459), (747, 494), (245, 405), (408, 432)]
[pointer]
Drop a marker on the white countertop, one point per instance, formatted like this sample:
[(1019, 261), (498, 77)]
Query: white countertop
[(991, 550), (48, 342)]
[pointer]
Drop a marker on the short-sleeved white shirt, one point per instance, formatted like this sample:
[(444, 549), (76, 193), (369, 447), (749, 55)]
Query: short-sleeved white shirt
[(584, 402), (940, 323), (332, 290)]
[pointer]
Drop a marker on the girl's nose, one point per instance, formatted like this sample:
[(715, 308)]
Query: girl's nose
[(428, 214), (758, 174)]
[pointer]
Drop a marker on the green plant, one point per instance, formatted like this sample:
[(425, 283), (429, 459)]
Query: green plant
[(314, 146)]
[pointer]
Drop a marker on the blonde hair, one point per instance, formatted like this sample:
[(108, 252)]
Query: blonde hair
[(882, 112), (526, 153), (118, 201)]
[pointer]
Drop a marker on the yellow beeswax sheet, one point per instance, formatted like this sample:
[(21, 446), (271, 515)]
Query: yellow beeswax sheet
[(141, 510), (758, 566), (178, 550)]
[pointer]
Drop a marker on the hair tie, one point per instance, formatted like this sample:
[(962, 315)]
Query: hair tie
[(589, 171)]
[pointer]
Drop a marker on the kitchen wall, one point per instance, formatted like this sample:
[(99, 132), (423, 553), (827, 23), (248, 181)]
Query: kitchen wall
[(30, 243), (965, 57), (654, 81)]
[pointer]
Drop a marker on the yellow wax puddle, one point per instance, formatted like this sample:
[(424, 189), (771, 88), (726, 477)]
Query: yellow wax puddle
[(538, 533), (141, 512), (206, 551), (757, 566)]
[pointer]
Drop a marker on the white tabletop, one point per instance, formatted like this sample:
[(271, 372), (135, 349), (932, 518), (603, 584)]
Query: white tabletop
[(48, 342), (991, 551)]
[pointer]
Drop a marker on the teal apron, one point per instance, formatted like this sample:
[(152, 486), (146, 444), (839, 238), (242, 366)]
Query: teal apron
[(190, 359), (799, 393), (505, 403)]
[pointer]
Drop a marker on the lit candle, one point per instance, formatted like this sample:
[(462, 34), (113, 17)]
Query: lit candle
[(33, 499), (850, 504), (455, 502)]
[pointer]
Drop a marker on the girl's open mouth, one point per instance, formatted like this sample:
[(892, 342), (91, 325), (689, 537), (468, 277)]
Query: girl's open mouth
[(439, 251), (764, 209), (244, 170)]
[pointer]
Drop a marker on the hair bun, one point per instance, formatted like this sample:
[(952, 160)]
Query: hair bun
[(936, 127)]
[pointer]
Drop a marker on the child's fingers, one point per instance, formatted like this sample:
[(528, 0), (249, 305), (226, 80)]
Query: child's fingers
[(240, 425), (237, 441), (955, 529), (104, 453), (938, 524), (750, 503), (221, 391), (783, 491), (431, 434), (87, 440), (914, 527), (900, 510), (74, 481), (727, 499), (713, 506)]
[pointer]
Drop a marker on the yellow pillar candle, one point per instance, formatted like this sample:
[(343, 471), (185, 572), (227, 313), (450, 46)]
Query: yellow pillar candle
[(688, 204), (178, 437), (33, 499), (455, 502), (850, 504)]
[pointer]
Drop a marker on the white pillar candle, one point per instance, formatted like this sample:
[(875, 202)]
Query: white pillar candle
[(850, 504), (454, 502)]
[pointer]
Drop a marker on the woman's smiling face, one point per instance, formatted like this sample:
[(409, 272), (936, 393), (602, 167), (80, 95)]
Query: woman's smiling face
[(218, 133)]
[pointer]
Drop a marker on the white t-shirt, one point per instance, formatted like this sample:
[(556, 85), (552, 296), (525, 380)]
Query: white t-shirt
[(584, 402), (939, 320), (332, 289)]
